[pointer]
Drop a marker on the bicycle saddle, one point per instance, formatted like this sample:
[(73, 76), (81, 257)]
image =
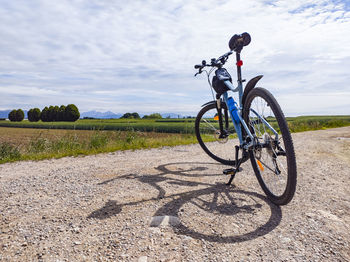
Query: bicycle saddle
[(237, 42)]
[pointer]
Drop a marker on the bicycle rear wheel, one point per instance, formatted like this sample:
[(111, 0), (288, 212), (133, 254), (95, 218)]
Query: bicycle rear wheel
[(208, 132), (273, 160)]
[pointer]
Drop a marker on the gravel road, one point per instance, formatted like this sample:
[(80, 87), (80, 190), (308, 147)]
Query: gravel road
[(171, 204)]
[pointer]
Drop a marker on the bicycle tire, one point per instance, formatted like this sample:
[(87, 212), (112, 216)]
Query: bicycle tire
[(279, 157), (213, 148)]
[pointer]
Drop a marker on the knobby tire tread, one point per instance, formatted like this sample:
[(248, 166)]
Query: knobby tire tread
[(288, 194)]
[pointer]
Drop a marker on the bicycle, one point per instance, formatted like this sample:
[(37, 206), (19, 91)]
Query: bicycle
[(258, 122)]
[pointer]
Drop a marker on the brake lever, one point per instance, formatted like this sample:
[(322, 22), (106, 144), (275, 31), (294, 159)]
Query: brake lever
[(199, 72)]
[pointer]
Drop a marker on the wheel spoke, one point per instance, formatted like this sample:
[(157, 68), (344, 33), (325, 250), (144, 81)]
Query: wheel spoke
[(209, 125), (271, 160), (265, 165), (208, 131)]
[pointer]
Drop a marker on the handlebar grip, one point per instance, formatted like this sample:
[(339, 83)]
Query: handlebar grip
[(197, 66)]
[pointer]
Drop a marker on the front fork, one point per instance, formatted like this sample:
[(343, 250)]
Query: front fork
[(223, 131)]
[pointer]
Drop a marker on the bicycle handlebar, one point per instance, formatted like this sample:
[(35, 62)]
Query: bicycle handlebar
[(214, 62), (236, 44)]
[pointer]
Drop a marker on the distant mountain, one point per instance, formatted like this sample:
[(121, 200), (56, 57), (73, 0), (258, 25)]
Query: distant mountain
[(5, 113), (96, 114), (171, 115), (109, 114)]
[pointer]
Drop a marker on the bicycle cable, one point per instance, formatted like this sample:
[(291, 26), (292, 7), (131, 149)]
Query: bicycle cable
[(210, 84)]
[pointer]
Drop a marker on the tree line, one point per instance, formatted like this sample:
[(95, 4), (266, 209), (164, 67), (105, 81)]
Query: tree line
[(48, 114), (137, 116)]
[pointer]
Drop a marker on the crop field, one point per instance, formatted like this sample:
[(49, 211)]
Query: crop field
[(41, 140), (180, 126), (36, 144), (306, 123), (143, 125)]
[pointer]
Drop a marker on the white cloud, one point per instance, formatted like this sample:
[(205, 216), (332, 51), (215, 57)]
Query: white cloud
[(139, 55)]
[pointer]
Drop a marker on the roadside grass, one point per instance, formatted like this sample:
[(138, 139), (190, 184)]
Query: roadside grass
[(9, 153), (309, 123), (34, 144)]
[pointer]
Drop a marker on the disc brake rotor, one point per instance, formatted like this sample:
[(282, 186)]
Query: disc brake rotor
[(217, 137)]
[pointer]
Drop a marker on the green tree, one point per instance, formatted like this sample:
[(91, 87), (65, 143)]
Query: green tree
[(45, 114), (126, 115), (155, 116), (51, 114), (56, 113), (19, 115), (62, 113), (136, 115), (12, 115), (30, 115), (36, 113), (131, 115), (72, 113)]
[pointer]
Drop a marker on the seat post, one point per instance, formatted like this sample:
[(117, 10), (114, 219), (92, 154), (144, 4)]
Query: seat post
[(239, 64), (240, 81)]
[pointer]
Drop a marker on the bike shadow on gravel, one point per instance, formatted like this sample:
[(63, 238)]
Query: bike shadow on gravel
[(217, 201)]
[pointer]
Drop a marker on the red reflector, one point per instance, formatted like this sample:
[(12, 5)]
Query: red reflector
[(239, 63)]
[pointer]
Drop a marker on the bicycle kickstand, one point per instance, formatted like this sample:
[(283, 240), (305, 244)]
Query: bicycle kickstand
[(233, 171)]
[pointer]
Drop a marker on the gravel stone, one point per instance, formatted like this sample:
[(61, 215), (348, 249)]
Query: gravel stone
[(143, 259), (172, 204), (164, 221)]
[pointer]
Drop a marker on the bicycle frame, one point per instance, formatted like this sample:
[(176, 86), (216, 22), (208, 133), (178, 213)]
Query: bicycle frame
[(237, 124)]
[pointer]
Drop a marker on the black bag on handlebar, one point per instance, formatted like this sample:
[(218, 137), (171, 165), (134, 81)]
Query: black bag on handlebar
[(219, 85)]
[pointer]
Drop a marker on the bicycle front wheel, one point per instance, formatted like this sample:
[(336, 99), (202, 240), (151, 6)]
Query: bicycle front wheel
[(273, 158), (208, 132)]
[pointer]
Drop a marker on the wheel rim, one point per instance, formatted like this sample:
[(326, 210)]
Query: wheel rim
[(270, 158), (209, 131)]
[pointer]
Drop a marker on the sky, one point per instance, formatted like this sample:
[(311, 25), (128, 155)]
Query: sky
[(138, 56)]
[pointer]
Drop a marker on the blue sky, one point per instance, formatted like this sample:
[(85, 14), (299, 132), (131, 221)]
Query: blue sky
[(138, 56)]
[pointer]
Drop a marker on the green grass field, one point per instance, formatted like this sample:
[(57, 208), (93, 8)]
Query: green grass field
[(36, 144), (184, 126), (180, 126), (35, 141), (307, 123)]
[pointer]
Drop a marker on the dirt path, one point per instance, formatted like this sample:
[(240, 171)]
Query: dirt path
[(100, 208)]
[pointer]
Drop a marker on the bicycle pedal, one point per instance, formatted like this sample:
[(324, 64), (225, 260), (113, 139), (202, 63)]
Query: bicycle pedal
[(231, 171)]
